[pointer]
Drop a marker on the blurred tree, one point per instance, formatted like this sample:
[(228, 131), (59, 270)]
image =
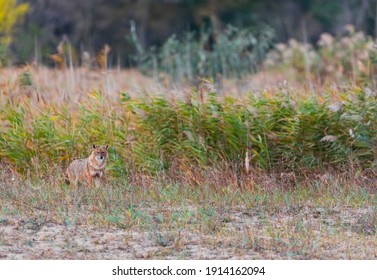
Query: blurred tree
[(10, 13), (89, 24)]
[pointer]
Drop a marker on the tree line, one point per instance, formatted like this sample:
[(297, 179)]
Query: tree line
[(90, 24)]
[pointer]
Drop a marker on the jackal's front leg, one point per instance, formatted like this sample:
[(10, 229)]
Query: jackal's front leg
[(90, 181), (97, 181)]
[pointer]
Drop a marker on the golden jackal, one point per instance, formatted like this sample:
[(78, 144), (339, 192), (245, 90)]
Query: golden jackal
[(89, 169)]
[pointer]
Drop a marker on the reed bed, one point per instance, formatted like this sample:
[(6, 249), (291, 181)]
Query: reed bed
[(270, 131)]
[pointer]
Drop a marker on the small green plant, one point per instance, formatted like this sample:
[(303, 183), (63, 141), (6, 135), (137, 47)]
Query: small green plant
[(26, 79)]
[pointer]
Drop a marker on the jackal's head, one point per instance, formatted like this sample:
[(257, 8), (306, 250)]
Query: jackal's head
[(100, 153)]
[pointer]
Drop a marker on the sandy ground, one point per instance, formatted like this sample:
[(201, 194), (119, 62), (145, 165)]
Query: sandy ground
[(339, 233)]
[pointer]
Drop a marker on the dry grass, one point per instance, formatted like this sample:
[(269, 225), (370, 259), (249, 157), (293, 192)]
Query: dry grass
[(49, 86), (158, 219)]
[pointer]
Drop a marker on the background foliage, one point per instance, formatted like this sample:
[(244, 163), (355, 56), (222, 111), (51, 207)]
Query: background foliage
[(10, 13), (89, 24)]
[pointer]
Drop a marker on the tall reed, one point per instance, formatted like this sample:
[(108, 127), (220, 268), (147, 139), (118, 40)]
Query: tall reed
[(277, 130)]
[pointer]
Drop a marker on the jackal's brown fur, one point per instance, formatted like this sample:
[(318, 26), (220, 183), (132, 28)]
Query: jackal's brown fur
[(89, 169)]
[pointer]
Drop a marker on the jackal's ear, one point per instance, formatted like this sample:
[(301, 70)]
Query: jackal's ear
[(106, 147), (94, 146)]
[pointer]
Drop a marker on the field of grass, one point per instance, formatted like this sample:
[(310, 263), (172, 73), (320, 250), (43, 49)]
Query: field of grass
[(326, 220), (249, 170)]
